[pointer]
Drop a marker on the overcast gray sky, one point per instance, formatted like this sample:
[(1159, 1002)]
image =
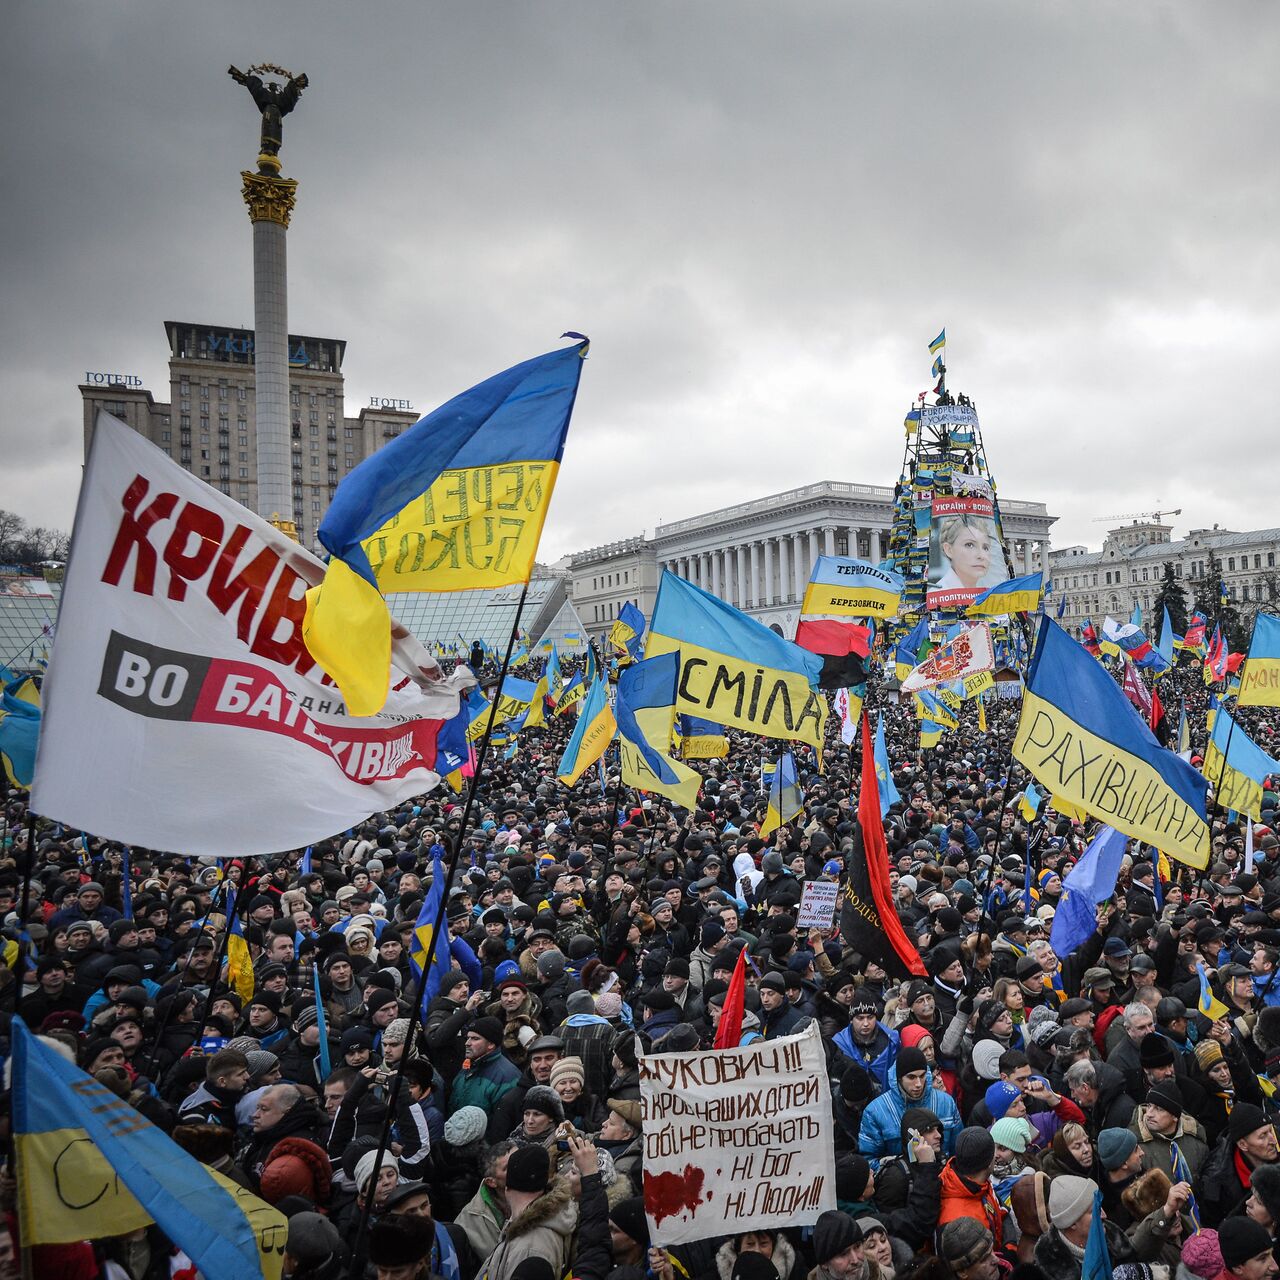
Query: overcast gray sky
[(759, 212)]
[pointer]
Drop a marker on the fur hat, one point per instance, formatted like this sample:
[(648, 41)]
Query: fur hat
[(400, 1240), (1146, 1194), (541, 1098), (1030, 1202), (1266, 1031)]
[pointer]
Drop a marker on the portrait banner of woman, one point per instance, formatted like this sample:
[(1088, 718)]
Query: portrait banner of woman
[(965, 555)]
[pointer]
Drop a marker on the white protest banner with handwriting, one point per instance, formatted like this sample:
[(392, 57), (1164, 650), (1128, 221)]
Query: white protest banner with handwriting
[(817, 904), (737, 1139)]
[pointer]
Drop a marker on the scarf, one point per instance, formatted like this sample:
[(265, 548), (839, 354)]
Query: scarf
[(1243, 1171)]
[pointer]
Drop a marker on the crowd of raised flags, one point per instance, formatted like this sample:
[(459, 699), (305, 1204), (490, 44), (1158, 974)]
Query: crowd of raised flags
[(702, 718)]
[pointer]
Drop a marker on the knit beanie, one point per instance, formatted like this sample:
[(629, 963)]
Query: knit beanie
[(975, 1152), (852, 1174), (550, 966), (1246, 1239), (1070, 1198), (397, 1032), (528, 1169), (1202, 1255), (1115, 1146), (1208, 1054), (365, 1167), (1000, 1097), (1166, 1094), (1245, 1119), (465, 1126), (1010, 1132), (751, 1266), (489, 1029), (910, 1059), (834, 1233), (962, 1243), (568, 1069), (628, 1216)]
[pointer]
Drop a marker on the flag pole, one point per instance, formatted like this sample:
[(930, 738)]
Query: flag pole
[(27, 872), (417, 1016), (1231, 728)]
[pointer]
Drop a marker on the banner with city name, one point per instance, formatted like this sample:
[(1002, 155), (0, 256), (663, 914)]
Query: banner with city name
[(182, 710), (737, 1139)]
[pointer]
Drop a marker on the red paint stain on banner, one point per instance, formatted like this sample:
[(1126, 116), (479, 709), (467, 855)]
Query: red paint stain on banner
[(668, 1194)]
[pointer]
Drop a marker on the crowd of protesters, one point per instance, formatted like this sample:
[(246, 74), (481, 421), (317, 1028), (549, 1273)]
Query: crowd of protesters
[(976, 1111)]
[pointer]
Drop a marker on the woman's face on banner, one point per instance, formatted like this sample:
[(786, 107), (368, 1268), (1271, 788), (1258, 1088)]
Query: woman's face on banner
[(969, 554)]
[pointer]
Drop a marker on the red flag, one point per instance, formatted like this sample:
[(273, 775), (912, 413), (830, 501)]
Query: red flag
[(825, 635), (729, 1030), (1135, 690), (868, 918)]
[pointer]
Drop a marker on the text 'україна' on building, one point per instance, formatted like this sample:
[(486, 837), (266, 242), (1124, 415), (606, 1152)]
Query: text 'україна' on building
[(208, 424), (758, 555)]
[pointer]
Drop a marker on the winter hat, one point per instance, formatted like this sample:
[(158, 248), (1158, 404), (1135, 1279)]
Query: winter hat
[(628, 1216), (365, 1166), (489, 1029), (568, 1069), (296, 1167), (582, 1002), (1246, 1118), (1208, 1053), (712, 932), (356, 1038), (1155, 1051), (375, 999), (1146, 1194), (1202, 1254), (1070, 1198), (986, 1059), (528, 1169), (1029, 1199), (1166, 1094), (466, 1125), (400, 1240), (855, 1084), (1000, 1097), (834, 1233), (753, 1266), (962, 1243), (910, 1059), (1115, 1146), (260, 1062), (541, 1098), (1245, 1240), (550, 966), (1011, 1132), (397, 1032), (609, 1004), (975, 1152), (312, 1238), (1266, 1186), (852, 1175), (304, 1018)]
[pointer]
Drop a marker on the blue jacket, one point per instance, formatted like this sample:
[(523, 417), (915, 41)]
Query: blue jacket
[(881, 1132), (878, 1058)]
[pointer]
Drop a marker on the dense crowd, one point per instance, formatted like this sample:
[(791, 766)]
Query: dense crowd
[(976, 1111)]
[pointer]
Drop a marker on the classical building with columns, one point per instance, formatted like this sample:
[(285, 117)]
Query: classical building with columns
[(758, 555)]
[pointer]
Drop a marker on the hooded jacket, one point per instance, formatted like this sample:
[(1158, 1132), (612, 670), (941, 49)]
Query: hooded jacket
[(543, 1229), (881, 1131), (876, 1058)]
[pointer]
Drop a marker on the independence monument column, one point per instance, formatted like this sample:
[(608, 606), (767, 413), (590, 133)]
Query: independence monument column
[(269, 198)]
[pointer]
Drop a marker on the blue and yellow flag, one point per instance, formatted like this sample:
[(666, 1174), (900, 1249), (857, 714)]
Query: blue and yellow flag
[(429, 951), (840, 587), (1209, 1005), (1017, 595), (1237, 779), (456, 503), (786, 800), (701, 739), (904, 655), (536, 716), (938, 343), (930, 733), (452, 749), (554, 678), (1260, 675), (90, 1166), (1029, 804), (627, 632), (646, 713), (735, 670), (884, 775), (1168, 639), (591, 735), (239, 961), (1080, 738), (912, 421), (322, 1022), (19, 727), (573, 693)]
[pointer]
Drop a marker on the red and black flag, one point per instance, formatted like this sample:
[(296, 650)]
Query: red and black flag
[(868, 922)]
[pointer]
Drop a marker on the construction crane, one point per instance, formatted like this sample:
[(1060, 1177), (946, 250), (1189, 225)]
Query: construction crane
[(1157, 516)]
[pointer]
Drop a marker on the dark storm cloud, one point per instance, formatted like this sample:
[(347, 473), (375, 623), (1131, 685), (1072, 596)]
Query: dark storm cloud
[(760, 213)]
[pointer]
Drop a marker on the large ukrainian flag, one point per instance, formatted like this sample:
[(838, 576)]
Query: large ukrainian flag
[(1260, 675), (1237, 767), (1082, 739), (1017, 595), (457, 502), (646, 715), (735, 670), (845, 588)]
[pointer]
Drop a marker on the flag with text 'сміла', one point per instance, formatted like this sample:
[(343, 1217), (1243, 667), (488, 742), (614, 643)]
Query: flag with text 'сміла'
[(456, 503), (735, 670), (1017, 595), (840, 587), (1080, 738), (1237, 779), (1260, 676), (786, 800), (591, 735), (90, 1166), (646, 714)]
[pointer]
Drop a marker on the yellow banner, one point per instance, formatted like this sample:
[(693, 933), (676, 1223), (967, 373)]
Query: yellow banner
[(768, 701), (978, 683), (825, 600), (704, 748), (1260, 683), (475, 527), (1232, 789), (1092, 774), (68, 1192)]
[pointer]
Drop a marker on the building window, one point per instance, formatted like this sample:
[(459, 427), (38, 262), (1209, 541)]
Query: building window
[(204, 424), (166, 436), (348, 432), (244, 441), (1271, 559), (242, 457), (1244, 592), (242, 393), (315, 430), (184, 422), (1231, 562), (204, 453), (244, 473)]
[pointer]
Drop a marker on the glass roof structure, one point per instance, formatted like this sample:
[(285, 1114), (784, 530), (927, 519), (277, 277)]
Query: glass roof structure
[(461, 617), (28, 610)]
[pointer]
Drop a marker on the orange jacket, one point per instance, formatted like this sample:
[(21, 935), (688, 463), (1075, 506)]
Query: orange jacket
[(960, 1200)]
